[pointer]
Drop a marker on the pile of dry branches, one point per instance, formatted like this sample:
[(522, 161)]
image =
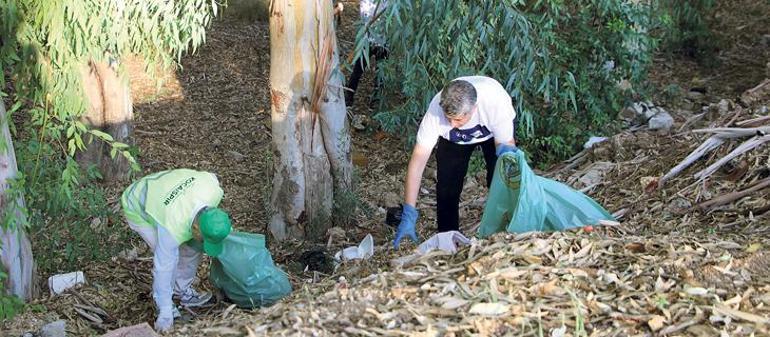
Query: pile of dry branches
[(560, 284), (709, 174)]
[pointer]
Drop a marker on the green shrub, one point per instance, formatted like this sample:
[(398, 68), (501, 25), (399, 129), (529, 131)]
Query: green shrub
[(71, 222), (568, 65), (688, 30), (9, 305), (43, 46)]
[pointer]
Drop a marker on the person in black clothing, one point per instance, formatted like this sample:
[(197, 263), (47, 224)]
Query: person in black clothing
[(378, 51)]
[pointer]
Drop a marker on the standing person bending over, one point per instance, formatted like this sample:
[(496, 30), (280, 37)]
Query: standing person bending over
[(173, 211), (470, 112)]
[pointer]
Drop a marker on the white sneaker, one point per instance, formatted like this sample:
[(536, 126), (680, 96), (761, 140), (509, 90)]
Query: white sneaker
[(192, 298)]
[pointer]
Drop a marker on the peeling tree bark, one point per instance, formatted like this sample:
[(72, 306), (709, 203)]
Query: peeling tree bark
[(15, 249), (311, 142), (110, 110)]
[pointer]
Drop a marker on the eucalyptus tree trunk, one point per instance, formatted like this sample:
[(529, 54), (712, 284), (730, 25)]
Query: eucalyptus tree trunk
[(109, 109), (311, 141), (15, 249)]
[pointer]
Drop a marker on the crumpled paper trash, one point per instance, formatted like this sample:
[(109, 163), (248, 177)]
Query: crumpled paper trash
[(363, 251), (446, 241)]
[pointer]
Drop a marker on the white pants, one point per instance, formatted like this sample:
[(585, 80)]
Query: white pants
[(186, 267)]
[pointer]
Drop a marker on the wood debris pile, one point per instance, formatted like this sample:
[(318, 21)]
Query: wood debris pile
[(560, 284), (709, 174)]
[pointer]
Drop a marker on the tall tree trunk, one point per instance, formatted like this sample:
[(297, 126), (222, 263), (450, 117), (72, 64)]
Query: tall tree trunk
[(311, 142), (109, 110), (15, 248)]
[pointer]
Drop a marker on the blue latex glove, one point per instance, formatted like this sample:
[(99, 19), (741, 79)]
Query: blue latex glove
[(406, 227), (505, 148)]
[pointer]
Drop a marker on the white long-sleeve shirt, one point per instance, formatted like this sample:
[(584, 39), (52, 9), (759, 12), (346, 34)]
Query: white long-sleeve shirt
[(164, 264), (174, 265)]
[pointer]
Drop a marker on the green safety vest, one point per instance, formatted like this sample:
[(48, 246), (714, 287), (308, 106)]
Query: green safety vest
[(171, 199)]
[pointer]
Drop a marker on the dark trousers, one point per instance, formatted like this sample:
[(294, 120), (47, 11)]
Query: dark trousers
[(451, 166), (377, 52)]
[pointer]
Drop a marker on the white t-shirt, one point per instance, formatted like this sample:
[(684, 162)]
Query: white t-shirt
[(493, 119)]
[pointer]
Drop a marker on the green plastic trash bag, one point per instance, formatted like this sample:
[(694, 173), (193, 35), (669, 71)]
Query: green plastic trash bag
[(245, 272), (521, 201)]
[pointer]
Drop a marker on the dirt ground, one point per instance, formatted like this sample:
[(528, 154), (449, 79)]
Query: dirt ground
[(214, 115)]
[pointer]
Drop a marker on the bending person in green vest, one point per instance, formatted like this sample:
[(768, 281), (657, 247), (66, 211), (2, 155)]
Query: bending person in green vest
[(173, 211)]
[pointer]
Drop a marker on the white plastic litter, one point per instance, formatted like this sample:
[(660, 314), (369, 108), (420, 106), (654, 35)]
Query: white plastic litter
[(61, 282), (592, 141), (363, 251), (661, 121), (53, 329), (446, 241)]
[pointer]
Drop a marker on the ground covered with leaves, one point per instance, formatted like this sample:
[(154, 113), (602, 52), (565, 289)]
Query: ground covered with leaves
[(690, 257)]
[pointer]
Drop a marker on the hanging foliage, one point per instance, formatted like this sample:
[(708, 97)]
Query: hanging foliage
[(689, 31), (568, 65), (45, 45)]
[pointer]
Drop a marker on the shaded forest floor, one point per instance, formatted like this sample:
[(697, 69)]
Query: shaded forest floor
[(663, 270)]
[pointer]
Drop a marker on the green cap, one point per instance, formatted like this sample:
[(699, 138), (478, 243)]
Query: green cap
[(215, 226)]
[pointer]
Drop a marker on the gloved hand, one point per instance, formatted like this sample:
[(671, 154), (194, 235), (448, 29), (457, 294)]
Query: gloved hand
[(406, 227), (505, 148), (164, 323)]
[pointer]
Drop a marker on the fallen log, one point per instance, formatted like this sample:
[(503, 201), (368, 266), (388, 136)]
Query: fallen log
[(730, 197), (741, 149), (721, 134), (753, 122), (729, 133), (712, 143)]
